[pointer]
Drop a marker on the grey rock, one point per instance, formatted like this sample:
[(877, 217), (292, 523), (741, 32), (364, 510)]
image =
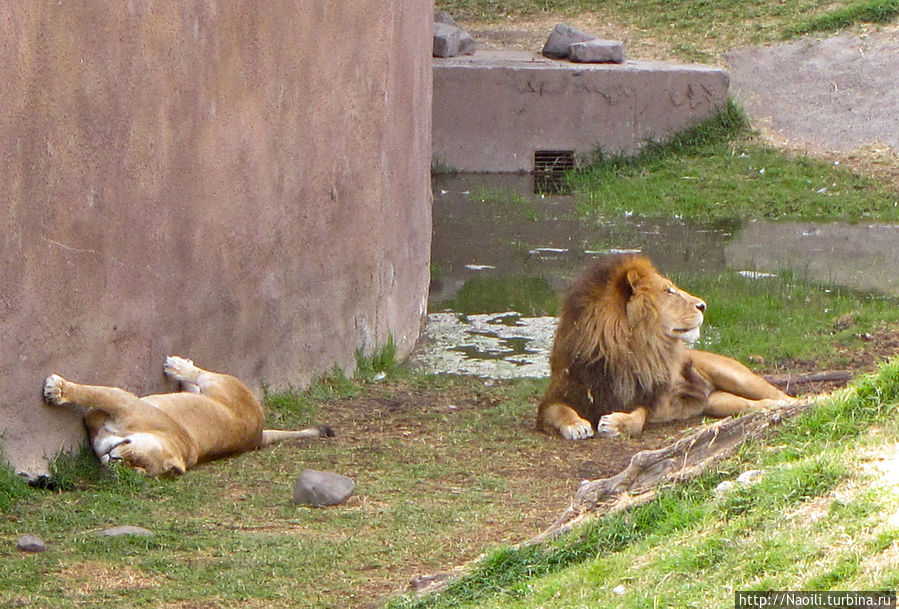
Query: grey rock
[(560, 40), (750, 476), (597, 51), (451, 40), (724, 487), (30, 543), (127, 530), (444, 17), (320, 489)]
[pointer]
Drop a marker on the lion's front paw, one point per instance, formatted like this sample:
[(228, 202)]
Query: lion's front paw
[(181, 369), (54, 390), (577, 431), (608, 427), (619, 423)]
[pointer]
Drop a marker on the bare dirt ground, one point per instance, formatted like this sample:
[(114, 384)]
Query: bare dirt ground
[(834, 97)]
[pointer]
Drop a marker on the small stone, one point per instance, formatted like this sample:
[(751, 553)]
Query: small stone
[(451, 40), (127, 530), (560, 40), (597, 51), (30, 543), (750, 476), (320, 489), (619, 590), (724, 487)]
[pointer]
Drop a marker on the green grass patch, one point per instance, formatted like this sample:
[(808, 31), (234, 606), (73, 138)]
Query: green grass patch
[(426, 477), (715, 172), (869, 11), (785, 319), (12, 488)]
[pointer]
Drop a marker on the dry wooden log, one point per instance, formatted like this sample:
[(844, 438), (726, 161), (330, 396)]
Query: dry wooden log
[(787, 381)]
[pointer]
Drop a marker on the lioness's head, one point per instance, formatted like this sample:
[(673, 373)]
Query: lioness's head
[(657, 301)]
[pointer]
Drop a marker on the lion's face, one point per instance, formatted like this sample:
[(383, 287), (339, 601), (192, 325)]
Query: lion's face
[(679, 313)]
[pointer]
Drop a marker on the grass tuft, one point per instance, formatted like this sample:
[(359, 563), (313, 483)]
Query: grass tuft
[(13, 488), (381, 360), (729, 124)]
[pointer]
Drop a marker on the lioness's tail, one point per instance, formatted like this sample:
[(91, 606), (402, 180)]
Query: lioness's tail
[(270, 436)]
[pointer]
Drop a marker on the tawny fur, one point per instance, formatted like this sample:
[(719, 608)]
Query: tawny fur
[(215, 416), (619, 357)]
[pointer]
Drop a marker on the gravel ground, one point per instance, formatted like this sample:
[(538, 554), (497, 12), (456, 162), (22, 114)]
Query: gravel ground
[(836, 94)]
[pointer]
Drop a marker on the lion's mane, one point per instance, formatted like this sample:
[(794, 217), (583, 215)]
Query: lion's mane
[(611, 352)]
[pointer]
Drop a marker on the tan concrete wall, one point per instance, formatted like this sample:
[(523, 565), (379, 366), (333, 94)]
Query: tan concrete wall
[(244, 183), (493, 110)]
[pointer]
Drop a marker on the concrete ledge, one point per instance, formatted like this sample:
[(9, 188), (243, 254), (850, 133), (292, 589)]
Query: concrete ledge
[(494, 110)]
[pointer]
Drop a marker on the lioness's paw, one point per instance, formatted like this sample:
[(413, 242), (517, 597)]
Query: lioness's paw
[(54, 390), (577, 431), (181, 369)]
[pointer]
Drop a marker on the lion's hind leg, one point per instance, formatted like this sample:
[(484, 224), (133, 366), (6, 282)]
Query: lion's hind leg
[(561, 418), (729, 376), (723, 404)]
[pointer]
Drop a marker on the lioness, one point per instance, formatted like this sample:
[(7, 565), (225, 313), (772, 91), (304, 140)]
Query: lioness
[(619, 357), (214, 416)]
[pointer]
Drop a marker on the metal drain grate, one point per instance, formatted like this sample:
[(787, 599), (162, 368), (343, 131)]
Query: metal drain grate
[(550, 167), (553, 161)]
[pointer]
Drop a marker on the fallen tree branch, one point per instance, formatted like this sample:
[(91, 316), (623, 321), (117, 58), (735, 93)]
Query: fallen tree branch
[(787, 381)]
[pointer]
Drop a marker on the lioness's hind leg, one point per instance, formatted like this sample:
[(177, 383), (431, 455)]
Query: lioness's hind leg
[(183, 371)]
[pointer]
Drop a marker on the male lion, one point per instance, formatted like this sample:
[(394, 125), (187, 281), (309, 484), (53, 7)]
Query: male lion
[(215, 416), (619, 358)]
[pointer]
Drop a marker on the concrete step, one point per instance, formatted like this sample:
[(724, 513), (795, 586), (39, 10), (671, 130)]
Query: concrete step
[(495, 110)]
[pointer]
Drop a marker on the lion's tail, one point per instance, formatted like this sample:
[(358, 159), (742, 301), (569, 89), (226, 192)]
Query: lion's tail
[(270, 436)]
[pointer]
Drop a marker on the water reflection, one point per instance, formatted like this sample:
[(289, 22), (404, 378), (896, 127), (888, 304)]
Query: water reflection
[(860, 256), (499, 247), (492, 227)]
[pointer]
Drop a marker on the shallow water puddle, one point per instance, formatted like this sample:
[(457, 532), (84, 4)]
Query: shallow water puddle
[(502, 253)]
